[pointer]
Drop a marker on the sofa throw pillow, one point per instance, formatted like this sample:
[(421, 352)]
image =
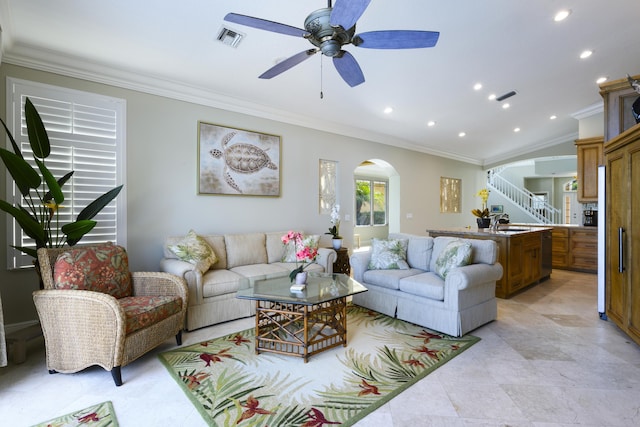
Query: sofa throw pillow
[(389, 254), (101, 268), (195, 250), (456, 254)]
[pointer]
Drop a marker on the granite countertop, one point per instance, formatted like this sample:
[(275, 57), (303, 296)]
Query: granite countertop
[(503, 230), (535, 224)]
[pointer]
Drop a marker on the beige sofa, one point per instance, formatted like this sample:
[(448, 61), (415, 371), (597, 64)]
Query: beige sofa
[(242, 259)]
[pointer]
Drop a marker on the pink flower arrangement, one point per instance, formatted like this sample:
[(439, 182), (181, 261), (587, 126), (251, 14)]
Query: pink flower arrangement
[(306, 251)]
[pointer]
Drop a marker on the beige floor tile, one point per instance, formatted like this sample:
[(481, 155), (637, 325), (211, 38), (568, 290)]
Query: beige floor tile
[(548, 360)]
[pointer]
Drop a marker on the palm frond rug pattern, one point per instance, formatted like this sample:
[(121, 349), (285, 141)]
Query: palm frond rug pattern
[(232, 386), (100, 415)]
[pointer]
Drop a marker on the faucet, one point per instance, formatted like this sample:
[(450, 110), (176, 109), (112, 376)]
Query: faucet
[(496, 220)]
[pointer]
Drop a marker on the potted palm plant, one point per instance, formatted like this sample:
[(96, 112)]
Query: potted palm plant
[(38, 212)]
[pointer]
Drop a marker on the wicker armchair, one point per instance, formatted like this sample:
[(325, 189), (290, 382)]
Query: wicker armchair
[(84, 327)]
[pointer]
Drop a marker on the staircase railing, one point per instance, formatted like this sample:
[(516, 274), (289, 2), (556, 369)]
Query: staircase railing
[(524, 199)]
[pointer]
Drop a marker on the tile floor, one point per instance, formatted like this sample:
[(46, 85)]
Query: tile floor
[(547, 361)]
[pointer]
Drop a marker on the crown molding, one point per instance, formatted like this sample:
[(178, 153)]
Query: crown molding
[(591, 110), (531, 148), (53, 62)]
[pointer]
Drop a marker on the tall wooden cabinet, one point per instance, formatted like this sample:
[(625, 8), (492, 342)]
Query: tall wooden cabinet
[(622, 160), (618, 96)]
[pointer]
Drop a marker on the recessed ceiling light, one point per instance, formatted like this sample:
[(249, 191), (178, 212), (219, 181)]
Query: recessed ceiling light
[(431, 123), (553, 117), (585, 54), (477, 86), (461, 134), (506, 105), (562, 15), (516, 130), (492, 97), (388, 110), (602, 79)]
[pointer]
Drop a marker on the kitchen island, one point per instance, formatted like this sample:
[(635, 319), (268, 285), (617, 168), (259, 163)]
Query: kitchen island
[(524, 252), (575, 247)]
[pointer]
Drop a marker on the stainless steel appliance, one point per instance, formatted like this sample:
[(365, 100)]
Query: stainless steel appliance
[(590, 217)]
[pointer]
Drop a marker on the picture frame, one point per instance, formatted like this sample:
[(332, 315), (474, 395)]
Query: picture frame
[(238, 162), (327, 185), (450, 195), (497, 209)]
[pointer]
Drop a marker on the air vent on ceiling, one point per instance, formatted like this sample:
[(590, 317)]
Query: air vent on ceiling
[(506, 95), (229, 37)]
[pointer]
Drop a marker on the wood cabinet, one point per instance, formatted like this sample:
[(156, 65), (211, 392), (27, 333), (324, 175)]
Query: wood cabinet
[(583, 247), (618, 96), (520, 255), (531, 258), (622, 266), (590, 156), (560, 247)]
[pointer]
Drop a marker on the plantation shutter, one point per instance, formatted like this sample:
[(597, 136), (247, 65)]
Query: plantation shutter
[(86, 133)]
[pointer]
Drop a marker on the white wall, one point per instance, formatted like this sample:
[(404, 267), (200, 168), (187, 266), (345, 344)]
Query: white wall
[(161, 182)]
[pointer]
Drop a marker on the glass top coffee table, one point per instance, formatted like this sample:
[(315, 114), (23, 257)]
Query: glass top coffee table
[(301, 323)]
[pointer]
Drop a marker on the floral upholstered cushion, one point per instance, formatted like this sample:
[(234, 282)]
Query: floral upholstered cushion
[(143, 311), (456, 254), (389, 254), (103, 268), (195, 250)]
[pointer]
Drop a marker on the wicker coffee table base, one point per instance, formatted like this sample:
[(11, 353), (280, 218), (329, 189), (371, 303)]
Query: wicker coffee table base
[(298, 329)]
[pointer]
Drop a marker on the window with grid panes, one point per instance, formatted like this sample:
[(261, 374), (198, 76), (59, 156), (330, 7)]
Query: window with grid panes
[(87, 135)]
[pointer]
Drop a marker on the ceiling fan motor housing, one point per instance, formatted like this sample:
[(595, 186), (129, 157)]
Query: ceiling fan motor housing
[(323, 35)]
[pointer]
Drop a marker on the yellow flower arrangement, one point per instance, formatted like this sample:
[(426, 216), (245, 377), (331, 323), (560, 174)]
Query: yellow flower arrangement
[(483, 212)]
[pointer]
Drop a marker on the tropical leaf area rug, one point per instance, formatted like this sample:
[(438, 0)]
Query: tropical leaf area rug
[(232, 386), (100, 415)]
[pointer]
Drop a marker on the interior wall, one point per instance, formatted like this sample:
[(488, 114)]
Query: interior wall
[(161, 156)]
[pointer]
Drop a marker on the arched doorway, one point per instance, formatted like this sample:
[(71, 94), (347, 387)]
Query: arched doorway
[(376, 201)]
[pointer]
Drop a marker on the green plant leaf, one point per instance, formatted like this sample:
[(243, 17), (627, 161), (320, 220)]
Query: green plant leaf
[(38, 138), (29, 251), (31, 227), (16, 149), (76, 230), (22, 173), (61, 183), (52, 184), (98, 204)]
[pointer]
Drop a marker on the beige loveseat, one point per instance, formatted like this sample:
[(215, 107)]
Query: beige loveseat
[(242, 259), (415, 292)]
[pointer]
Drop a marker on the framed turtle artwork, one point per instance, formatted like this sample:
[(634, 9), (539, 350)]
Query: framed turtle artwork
[(237, 162)]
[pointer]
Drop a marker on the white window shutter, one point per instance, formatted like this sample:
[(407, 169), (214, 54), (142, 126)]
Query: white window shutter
[(86, 132)]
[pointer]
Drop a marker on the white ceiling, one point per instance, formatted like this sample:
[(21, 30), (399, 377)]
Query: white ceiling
[(170, 48)]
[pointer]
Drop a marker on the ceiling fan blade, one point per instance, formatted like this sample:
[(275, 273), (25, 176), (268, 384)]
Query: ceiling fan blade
[(396, 39), (263, 24), (347, 12), (283, 66), (348, 68)]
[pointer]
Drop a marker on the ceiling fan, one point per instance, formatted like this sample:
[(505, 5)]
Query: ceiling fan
[(331, 28)]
